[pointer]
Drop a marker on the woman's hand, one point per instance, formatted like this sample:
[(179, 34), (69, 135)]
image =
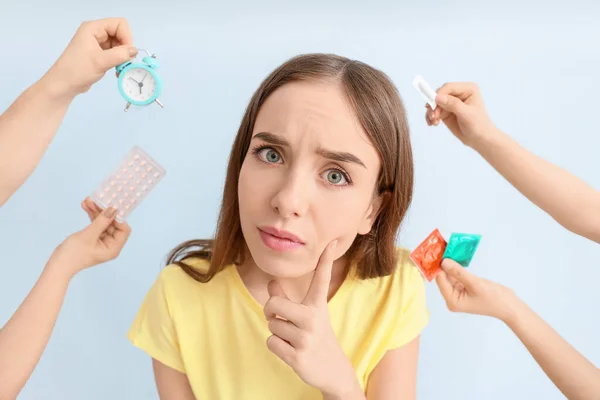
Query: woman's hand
[(304, 339), (96, 47), (467, 293), (99, 242), (461, 108)]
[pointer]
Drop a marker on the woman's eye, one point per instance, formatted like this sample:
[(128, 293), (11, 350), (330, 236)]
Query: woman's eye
[(336, 177), (269, 155)]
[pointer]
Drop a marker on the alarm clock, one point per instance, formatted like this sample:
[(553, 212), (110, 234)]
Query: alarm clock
[(139, 83)]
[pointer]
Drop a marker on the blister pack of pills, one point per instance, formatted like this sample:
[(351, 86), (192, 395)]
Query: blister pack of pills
[(129, 183)]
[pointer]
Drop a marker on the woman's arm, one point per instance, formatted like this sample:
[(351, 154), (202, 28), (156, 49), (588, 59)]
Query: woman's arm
[(25, 336), (572, 373), (575, 376), (171, 384), (28, 126), (26, 130), (395, 377), (570, 201)]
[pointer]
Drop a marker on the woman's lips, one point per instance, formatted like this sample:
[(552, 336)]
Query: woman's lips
[(279, 240)]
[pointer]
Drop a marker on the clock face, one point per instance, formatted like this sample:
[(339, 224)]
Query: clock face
[(139, 84)]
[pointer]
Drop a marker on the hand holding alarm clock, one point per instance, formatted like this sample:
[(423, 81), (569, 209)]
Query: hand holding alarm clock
[(139, 83)]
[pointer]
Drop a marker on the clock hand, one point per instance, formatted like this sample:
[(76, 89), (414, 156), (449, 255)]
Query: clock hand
[(134, 80)]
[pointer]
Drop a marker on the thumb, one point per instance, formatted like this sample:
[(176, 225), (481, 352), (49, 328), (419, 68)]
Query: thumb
[(455, 270), (102, 222), (444, 285), (117, 55), (450, 103)]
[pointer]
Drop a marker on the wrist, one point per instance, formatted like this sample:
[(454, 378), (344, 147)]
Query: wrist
[(488, 139), (54, 89), (350, 391), (59, 270), (348, 395), (511, 310)]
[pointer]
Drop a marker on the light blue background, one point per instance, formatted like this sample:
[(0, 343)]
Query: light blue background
[(538, 67)]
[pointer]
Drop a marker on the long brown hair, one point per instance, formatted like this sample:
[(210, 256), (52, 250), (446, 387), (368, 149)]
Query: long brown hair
[(381, 113)]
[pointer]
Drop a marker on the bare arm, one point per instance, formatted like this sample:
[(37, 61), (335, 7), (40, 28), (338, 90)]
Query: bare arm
[(395, 377), (571, 372), (31, 122), (575, 376), (171, 384), (25, 336), (570, 201), (26, 130)]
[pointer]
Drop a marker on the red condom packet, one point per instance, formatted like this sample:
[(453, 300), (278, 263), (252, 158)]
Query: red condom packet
[(429, 254)]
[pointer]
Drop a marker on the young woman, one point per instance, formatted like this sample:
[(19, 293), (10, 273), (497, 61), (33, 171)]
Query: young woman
[(302, 294), (576, 206)]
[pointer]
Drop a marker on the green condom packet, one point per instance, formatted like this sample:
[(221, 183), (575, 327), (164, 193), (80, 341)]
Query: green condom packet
[(462, 247)]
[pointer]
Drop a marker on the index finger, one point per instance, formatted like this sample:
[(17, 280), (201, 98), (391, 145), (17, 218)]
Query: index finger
[(462, 90), (319, 286), (112, 27)]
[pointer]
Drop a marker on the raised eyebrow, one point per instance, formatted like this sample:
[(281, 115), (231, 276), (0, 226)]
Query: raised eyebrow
[(341, 156)]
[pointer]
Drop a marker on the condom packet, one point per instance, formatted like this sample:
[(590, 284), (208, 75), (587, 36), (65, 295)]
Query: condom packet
[(462, 247), (426, 91), (428, 255)]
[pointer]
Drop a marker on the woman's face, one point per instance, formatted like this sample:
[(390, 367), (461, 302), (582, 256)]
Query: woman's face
[(308, 178)]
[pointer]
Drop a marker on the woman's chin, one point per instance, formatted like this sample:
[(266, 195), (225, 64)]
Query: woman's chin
[(281, 268)]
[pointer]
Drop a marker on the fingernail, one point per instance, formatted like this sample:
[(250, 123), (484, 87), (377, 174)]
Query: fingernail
[(110, 212), (441, 98), (133, 51), (334, 245)]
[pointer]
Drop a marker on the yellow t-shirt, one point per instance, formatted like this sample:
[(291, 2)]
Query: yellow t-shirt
[(216, 332)]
